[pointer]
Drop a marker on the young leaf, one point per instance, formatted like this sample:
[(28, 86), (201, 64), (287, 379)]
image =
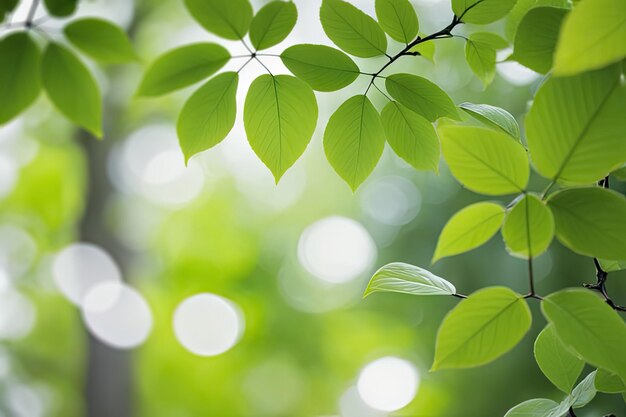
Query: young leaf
[(481, 328), (484, 160), (536, 38), (272, 24), (227, 19), (585, 391), (528, 228), (481, 11), (411, 136), (408, 279), (593, 36), (181, 67), (493, 116), (398, 19), (280, 114), (322, 67), (612, 266), (593, 329), (101, 40), (609, 382), (354, 140), (469, 228), (575, 126), (561, 366), (421, 95), (20, 60), (480, 53), (208, 115), (590, 221), (71, 87), (61, 8), (425, 49), (352, 30), (538, 407)]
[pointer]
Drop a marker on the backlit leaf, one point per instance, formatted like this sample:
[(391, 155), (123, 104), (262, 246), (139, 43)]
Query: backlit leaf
[(528, 228), (421, 95), (227, 19), (560, 365), (480, 53), (408, 279), (272, 24), (101, 40), (493, 116), (481, 11), (609, 382), (538, 407), (398, 19)]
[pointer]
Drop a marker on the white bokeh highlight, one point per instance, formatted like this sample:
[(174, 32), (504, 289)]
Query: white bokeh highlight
[(393, 201), (388, 384), (207, 324)]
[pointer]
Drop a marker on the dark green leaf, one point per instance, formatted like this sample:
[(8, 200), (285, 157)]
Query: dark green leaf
[(398, 19), (101, 40), (272, 24), (421, 95), (228, 19), (60, 8), (609, 382)]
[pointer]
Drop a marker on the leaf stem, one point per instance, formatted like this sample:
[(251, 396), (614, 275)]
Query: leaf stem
[(31, 14)]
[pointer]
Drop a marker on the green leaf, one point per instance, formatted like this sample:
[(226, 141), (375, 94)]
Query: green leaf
[(609, 382), (71, 87), (585, 391), (575, 128), (208, 115), (484, 160), (528, 228), (20, 60), (322, 67), (522, 7), (538, 407), (590, 221), (611, 265), (469, 228), (272, 24), (556, 361), (398, 19), (481, 328), (620, 173), (481, 11), (411, 136), (589, 326), (352, 30), (421, 95), (425, 49), (480, 53), (7, 6), (354, 140), (101, 40), (592, 36), (280, 114), (493, 116), (536, 38), (227, 19), (408, 279), (61, 8), (182, 67)]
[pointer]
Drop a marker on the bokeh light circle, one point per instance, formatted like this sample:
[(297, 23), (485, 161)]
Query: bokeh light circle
[(388, 383)]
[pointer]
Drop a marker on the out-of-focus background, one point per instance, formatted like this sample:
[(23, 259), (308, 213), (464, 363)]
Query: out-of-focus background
[(240, 297)]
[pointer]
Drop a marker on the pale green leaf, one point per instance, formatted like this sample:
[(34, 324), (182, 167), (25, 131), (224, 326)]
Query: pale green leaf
[(585, 391), (71, 87), (560, 365), (411, 136), (481, 11), (208, 115), (590, 221), (60, 8), (480, 53), (593, 35), (575, 127), (354, 140), (182, 67), (484, 160), (408, 279), (481, 328), (612, 265), (562, 410), (609, 382), (421, 95), (493, 116), (272, 24), (280, 114), (588, 325), (352, 30), (398, 19), (20, 60), (228, 19), (101, 40), (536, 38), (469, 228), (538, 407), (528, 228), (322, 67)]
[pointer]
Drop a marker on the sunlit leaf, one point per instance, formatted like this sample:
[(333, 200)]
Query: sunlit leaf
[(208, 115), (469, 228), (493, 116), (227, 19), (538, 407), (272, 24), (411, 136), (480, 53), (280, 114), (590, 221), (611, 265), (60, 8), (484, 160), (182, 67), (481, 11), (609, 382), (398, 19), (322, 67), (354, 140), (585, 391), (352, 30), (560, 365), (528, 228), (421, 95), (101, 40), (425, 49), (408, 279)]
